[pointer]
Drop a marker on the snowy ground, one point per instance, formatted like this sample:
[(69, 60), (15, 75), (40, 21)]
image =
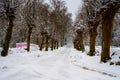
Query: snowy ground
[(65, 63)]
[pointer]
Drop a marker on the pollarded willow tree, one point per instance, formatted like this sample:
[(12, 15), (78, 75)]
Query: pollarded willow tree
[(9, 10), (92, 22), (29, 17), (78, 41), (79, 31), (108, 10)]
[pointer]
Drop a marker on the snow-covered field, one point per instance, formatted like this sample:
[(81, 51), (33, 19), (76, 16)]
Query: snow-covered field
[(65, 63)]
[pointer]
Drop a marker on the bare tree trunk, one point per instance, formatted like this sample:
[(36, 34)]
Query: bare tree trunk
[(37, 39), (62, 42), (54, 47), (7, 38), (47, 38), (93, 34), (78, 42), (28, 38), (52, 44), (57, 44), (107, 28), (42, 42), (81, 42)]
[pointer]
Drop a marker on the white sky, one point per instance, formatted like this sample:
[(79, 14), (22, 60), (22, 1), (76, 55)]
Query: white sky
[(73, 6)]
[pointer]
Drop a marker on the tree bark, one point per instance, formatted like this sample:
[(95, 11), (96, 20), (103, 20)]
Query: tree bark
[(81, 43), (78, 42), (54, 47), (93, 34), (57, 45), (52, 44), (47, 38), (107, 28), (42, 42), (28, 38), (7, 38)]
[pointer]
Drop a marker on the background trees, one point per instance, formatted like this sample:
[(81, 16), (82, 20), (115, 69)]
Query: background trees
[(61, 21), (116, 30)]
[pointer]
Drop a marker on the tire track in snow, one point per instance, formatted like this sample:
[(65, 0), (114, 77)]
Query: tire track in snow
[(103, 73)]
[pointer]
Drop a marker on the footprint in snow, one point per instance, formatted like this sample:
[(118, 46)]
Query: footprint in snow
[(4, 67)]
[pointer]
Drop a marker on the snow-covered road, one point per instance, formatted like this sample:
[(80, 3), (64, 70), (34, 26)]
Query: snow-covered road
[(57, 65)]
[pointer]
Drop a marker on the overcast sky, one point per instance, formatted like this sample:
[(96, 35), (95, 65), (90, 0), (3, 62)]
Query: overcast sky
[(73, 6)]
